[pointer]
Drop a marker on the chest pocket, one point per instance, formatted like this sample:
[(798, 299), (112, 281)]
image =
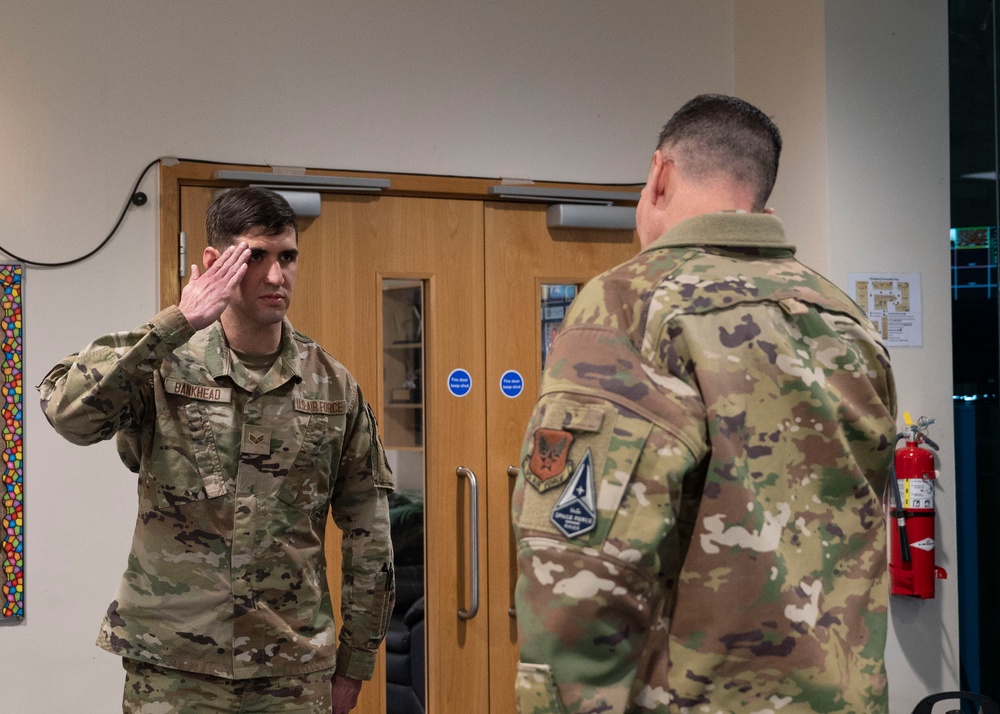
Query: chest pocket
[(308, 484), (577, 462), (184, 463)]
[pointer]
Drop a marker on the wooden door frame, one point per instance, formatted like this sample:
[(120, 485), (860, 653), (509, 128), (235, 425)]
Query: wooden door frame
[(196, 173)]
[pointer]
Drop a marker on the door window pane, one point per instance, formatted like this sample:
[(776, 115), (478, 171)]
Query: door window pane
[(403, 437), (556, 299)]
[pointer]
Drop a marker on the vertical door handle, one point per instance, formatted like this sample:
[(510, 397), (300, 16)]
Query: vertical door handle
[(512, 472), (473, 541)]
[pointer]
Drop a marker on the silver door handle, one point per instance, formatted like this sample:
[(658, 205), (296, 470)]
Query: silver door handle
[(512, 472), (473, 541)]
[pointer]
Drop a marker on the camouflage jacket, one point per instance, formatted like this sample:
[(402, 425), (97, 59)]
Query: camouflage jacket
[(699, 515), (227, 573)]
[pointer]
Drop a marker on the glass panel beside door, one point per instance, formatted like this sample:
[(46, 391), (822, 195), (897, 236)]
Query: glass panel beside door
[(403, 437)]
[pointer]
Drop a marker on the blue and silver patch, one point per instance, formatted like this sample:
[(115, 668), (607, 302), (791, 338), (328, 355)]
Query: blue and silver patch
[(575, 513)]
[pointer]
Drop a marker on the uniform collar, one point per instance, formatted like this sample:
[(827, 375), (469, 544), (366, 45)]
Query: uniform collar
[(219, 358), (732, 229)]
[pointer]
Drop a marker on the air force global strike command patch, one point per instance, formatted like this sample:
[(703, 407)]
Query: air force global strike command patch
[(547, 466), (575, 513)]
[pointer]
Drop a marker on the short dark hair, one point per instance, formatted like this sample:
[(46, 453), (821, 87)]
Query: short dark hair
[(240, 211), (718, 135)]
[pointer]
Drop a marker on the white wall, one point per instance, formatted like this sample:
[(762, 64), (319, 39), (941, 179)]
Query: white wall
[(860, 91), (91, 92), (781, 66), (570, 90), (887, 99)]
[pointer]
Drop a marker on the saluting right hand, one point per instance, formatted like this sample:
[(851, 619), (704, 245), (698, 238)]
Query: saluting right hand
[(207, 295)]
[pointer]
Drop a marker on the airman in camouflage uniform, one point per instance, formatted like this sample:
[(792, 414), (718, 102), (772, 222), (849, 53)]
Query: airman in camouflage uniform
[(245, 434), (699, 518)]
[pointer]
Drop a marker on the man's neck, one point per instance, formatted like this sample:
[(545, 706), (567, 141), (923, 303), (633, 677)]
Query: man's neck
[(258, 341), (686, 199)]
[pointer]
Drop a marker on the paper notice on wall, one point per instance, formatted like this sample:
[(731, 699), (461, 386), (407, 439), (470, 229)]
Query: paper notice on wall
[(892, 302)]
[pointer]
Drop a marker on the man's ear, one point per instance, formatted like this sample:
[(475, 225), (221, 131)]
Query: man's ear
[(660, 173), (209, 256)]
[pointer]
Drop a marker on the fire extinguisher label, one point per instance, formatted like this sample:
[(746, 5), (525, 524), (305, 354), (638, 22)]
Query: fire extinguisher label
[(925, 544), (918, 493)]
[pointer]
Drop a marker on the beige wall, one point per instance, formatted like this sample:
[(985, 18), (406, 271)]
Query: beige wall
[(860, 92), (887, 119), (91, 92), (781, 66), (566, 89)]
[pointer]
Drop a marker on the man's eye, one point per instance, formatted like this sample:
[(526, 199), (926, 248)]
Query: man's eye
[(254, 257)]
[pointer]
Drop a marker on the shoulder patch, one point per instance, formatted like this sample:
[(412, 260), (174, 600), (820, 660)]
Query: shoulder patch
[(548, 464), (575, 513)]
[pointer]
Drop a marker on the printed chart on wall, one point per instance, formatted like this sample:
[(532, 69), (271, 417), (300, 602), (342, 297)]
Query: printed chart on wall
[(892, 302), (11, 427)]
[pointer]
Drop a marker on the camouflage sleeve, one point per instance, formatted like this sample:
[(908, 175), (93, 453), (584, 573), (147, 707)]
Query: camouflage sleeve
[(360, 509), (601, 519), (593, 557), (90, 396)]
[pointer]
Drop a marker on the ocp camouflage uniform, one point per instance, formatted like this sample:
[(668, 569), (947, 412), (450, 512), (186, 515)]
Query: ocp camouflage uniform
[(227, 573), (699, 521)]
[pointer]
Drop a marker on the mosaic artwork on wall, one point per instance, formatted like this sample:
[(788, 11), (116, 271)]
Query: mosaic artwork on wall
[(11, 431)]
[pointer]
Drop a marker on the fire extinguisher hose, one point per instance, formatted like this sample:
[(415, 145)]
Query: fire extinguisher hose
[(898, 512)]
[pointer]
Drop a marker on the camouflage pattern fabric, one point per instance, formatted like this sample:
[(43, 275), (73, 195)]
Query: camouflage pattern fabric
[(227, 573), (156, 690), (699, 518)]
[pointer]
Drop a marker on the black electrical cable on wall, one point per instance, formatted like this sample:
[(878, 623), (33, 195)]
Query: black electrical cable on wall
[(134, 199), (137, 198)]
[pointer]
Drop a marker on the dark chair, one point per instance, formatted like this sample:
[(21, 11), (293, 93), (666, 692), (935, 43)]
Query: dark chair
[(404, 640), (405, 661), (982, 704)]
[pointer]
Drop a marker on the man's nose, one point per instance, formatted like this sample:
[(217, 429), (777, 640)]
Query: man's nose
[(274, 275)]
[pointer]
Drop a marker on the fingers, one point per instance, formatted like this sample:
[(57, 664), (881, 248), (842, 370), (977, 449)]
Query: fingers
[(229, 260), (236, 277), (207, 294)]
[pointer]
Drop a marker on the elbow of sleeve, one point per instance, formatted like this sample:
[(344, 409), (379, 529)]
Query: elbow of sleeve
[(78, 429), (551, 605)]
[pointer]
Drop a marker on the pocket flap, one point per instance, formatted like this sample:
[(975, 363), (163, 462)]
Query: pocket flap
[(572, 417), (536, 690)]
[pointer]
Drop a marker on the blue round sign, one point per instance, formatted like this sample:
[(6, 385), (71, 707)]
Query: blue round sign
[(511, 383), (459, 382)]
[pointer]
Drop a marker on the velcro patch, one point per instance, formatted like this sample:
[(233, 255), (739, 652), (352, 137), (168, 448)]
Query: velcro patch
[(203, 392), (575, 513), (548, 465), (256, 440), (319, 406)]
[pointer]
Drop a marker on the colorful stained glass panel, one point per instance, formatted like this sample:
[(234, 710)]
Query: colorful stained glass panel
[(11, 432)]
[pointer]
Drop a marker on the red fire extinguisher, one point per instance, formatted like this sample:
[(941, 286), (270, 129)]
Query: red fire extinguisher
[(911, 559)]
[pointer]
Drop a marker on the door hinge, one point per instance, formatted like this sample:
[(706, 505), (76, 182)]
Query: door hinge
[(183, 255)]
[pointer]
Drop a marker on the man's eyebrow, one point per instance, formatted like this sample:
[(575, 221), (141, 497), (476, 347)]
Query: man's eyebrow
[(264, 251)]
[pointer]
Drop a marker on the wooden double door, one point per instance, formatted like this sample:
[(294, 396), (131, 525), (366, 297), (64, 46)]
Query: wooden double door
[(437, 304)]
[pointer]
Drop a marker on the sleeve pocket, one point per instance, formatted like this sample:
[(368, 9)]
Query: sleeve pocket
[(381, 472), (569, 436), (536, 690)]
